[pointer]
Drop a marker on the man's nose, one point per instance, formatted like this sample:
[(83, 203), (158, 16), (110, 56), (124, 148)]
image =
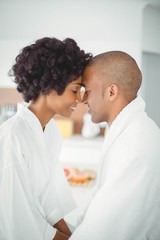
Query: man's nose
[(84, 98)]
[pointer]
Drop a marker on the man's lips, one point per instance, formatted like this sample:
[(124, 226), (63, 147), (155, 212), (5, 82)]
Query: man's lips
[(89, 107)]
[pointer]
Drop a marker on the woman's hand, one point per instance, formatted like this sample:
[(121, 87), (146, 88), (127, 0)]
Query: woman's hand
[(63, 232)]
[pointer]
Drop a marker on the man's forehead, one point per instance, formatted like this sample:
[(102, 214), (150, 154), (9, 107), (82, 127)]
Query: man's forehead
[(84, 84), (92, 83)]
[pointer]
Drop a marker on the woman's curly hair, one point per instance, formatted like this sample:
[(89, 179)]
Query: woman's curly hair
[(48, 64)]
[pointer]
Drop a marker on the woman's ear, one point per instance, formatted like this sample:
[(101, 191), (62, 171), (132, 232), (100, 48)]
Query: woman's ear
[(112, 91)]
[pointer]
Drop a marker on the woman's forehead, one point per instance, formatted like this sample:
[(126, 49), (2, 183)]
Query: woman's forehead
[(77, 81)]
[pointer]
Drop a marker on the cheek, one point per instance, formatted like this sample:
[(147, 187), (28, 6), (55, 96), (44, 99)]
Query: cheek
[(97, 98), (64, 100)]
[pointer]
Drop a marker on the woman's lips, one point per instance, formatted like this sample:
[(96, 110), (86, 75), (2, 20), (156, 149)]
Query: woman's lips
[(72, 108)]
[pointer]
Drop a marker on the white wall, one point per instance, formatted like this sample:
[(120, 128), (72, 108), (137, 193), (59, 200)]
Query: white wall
[(151, 83), (96, 25), (151, 30), (151, 62)]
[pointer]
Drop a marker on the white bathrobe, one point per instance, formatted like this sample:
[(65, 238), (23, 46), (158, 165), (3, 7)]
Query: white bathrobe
[(127, 204), (34, 193)]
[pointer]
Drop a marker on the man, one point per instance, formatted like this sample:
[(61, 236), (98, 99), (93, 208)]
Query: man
[(127, 204)]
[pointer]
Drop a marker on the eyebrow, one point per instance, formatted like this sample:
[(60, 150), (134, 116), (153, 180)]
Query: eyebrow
[(79, 84)]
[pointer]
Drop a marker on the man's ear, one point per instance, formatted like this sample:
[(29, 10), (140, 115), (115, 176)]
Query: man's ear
[(112, 91)]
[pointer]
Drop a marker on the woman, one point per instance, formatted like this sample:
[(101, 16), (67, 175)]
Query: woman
[(34, 192)]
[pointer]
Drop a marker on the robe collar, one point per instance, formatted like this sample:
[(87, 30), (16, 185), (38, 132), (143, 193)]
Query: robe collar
[(120, 123), (123, 120), (28, 116)]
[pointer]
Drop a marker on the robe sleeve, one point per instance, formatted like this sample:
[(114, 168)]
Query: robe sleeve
[(19, 218), (56, 200), (127, 204)]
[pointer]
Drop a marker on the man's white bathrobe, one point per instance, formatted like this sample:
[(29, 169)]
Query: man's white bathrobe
[(34, 193), (127, 204)]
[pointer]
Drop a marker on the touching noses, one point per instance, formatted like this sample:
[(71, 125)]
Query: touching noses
[(83, 95)]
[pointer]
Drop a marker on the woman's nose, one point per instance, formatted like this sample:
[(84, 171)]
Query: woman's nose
[(78, 97)]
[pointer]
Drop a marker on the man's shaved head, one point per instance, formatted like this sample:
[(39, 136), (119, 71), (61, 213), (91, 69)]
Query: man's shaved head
[(119, 68)]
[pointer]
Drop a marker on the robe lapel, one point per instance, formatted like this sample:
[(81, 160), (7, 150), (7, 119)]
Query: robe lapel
[(122, 121)]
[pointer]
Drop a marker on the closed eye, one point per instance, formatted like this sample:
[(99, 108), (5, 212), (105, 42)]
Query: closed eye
[(75, 91)]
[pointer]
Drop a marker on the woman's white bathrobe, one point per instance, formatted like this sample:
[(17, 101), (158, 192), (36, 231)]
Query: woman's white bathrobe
[(127, 204), (34, 193)]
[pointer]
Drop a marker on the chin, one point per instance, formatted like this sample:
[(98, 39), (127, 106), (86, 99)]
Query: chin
[(67, 115), (95, 120)]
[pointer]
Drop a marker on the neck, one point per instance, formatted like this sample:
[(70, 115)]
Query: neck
[(40, 110)]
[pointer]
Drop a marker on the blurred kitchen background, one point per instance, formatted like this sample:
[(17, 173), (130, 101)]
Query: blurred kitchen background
[(97, 26)]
